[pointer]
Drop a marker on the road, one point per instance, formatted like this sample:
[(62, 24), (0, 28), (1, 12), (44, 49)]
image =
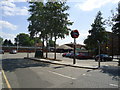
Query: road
[(25, 73)]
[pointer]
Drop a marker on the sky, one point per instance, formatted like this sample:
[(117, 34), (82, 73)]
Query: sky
[(14, 15)]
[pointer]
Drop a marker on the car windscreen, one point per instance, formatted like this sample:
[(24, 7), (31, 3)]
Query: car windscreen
[(105, 55)]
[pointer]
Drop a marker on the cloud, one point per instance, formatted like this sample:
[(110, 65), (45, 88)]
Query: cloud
[(10, 9), (7, 36), (16, 0), (6, 24), (89, 5)]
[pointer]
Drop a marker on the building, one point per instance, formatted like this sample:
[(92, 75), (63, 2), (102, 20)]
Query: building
[(112, 45), (77, 45)]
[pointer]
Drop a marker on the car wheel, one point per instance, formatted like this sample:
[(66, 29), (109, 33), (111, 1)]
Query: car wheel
[(96, 59), (102, 59), (110, 59)]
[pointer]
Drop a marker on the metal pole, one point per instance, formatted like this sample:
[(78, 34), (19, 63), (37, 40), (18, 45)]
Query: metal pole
[(112, 46), (28, 55), (74, 61), (17, 46), (17, 43), (35, 42), (99, 57)]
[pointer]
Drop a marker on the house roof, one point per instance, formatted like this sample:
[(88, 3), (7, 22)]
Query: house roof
[(64, 47)]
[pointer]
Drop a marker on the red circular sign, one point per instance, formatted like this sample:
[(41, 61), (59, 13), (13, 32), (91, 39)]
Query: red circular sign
[(74, 34)]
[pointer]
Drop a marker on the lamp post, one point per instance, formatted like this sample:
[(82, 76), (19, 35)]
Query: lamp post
[(17, 43), (98, 53)]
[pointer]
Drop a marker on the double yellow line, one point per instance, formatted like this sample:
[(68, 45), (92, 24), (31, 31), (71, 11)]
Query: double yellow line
[(6, 80)]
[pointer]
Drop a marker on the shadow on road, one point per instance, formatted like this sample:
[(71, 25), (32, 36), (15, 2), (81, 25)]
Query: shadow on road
[(113, 71), (13, 64)]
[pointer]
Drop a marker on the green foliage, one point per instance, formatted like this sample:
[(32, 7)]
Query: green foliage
[(58, 19), (37, 40), (1, 40), (116, 19), (36, 20), (48, 19), (24, 40), (7, 43), (116, 26), (51, 43), (97, 33)]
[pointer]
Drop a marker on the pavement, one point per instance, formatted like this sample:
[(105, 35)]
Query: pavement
[(79, 63)]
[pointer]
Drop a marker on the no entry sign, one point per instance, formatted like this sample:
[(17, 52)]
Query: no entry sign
[(74, 34)]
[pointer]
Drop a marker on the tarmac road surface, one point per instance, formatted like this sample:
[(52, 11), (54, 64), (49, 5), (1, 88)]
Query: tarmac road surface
[(25, 73)]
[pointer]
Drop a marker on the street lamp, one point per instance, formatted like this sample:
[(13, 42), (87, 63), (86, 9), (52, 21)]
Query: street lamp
[(98, 53), (17, 42)]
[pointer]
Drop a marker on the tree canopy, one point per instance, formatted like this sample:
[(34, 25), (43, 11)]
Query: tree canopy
[(97, 33), (1, 40), (116, 26), (48, 20), (24, 40), (7, 43)]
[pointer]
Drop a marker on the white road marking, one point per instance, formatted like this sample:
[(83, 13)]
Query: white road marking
[(83, 74), (62, 75), (114, 85)]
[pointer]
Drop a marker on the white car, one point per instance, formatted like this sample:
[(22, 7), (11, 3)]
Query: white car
[(1, 51), (13, 51)]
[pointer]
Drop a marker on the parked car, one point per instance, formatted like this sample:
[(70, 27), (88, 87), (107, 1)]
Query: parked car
[(72, 55), (103, 57), (13, 51), (1, 51), (69, 54), (84, 56), (64, 54)]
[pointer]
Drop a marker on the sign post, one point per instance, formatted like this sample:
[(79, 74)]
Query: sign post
[(74, 34), (74, 61)]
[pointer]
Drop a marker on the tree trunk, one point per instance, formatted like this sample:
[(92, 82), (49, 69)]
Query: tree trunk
[(55, 48), (112, 47), (119, 44), (43, 46), (46, 47), (119, 49)]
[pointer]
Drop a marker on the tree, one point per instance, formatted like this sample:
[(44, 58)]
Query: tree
[(97, 34), (116, 26), (10, 43), (51, 43), (24, 40), (58, 22), (50, 20), (37, 20), (7, 43), (1, 41)]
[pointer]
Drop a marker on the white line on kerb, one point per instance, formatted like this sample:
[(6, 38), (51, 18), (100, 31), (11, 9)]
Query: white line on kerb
[(114, 85), (62, 75)]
